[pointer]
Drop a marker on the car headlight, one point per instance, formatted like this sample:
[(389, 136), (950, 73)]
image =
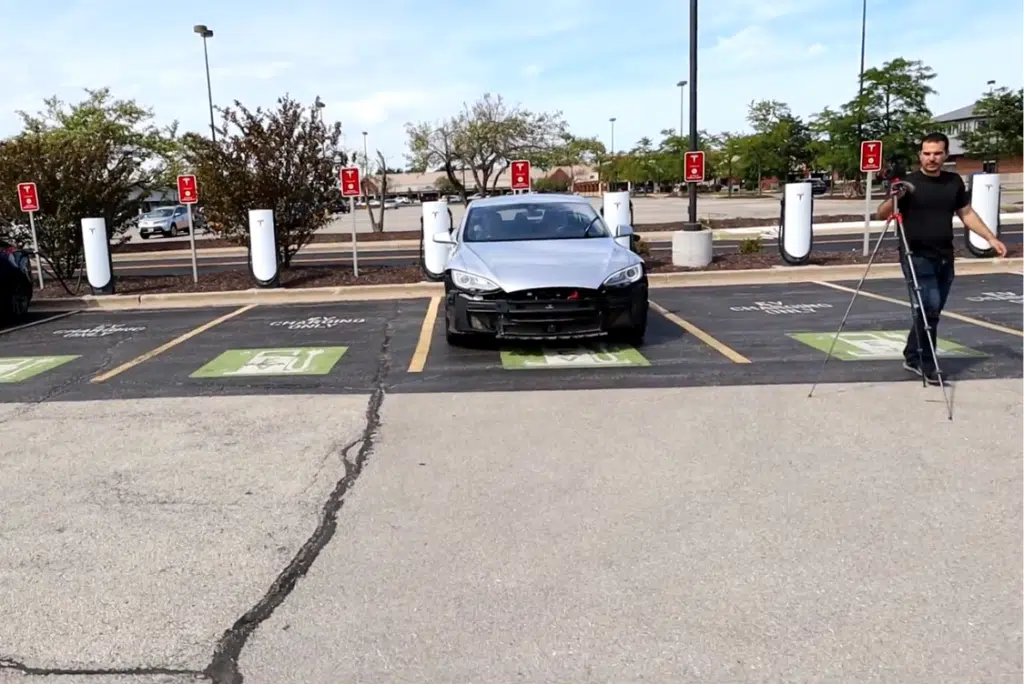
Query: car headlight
[(473, 283), (625, 277)]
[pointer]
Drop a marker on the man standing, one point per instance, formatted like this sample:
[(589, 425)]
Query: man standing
[(928, 225)]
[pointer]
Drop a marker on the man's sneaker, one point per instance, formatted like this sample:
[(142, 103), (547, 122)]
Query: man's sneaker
[(931, 376), (913, 368)]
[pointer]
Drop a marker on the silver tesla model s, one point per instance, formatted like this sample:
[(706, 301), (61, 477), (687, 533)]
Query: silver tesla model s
[(542, 267)]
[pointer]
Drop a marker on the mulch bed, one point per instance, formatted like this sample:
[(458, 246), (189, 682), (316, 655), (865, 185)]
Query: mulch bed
[(158, 245), (333, 276)]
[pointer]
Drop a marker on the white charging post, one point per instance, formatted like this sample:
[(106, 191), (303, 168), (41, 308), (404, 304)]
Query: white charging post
[(263, 247), (985, 196), (796, 230), (99, 270), (436, 218), (617, 212)]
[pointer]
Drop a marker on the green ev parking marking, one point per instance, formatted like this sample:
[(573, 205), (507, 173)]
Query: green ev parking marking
[(21, 368), (272, 361), (598, 356), (876, 345)]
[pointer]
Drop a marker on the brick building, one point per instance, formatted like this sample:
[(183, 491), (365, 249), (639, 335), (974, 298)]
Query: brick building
[(959, 121)]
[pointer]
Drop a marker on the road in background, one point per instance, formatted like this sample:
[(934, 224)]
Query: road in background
[(646, 210), (372, 254)]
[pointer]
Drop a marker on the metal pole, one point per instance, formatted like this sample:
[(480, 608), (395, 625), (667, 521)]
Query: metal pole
[(682, 129), (692, 223), (209, 91), (192, 244), (860, 125), (355, 249), (35, 246)]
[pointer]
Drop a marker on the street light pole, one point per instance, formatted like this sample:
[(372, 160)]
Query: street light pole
[(860, 89), (692, 223), (611, 170), (205, 33)]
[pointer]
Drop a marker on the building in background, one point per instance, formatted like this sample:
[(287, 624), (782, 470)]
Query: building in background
[(960, 121)]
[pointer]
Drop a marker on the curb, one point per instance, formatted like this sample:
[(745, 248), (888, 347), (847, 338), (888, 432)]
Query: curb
[(320, 295)]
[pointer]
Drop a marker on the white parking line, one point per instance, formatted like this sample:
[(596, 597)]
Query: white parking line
[(40, 321)]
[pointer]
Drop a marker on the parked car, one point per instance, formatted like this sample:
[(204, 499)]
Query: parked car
[(16, 288), (169, 221), (541, 267)]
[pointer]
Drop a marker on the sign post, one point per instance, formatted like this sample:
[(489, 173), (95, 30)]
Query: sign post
[(29, 200), (695, 167), (188, 194), (870, 163), (351, 187), (521, 169)]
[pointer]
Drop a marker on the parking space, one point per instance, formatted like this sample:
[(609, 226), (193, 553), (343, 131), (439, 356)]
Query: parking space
[(670, 356), (993, 297), (335, 348), (59, 354), (737, 335), (786, 330)]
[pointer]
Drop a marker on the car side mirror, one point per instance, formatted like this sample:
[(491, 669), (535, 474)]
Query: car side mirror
[(623, 231), (444, 239)]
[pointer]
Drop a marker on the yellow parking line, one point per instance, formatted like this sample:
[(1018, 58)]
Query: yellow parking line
[(419, 356), (946, 314), (102, 377), (39, 322), (720, 347)]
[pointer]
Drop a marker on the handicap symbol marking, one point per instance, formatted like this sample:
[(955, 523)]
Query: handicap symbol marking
[(876, 345), (21, 368), (598, 356), (270, 362)]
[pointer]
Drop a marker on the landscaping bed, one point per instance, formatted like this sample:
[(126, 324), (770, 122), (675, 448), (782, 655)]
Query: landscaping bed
[(157, 245), (334, 276)]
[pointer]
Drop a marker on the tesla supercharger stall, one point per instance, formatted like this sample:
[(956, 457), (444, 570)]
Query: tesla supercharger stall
[(617, 210), (985, 195), (99, 266), (263, 248), (436, 218), (795, 227)]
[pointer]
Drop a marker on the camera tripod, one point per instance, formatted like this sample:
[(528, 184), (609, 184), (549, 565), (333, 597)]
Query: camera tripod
[(896, 190)]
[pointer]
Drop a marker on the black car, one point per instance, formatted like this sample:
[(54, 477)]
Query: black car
[(15, 283)]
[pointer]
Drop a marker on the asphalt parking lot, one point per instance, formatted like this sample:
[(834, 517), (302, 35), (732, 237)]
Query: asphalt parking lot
[(764, 334)]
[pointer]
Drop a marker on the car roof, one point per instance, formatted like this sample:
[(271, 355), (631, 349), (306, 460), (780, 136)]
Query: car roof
[(530, 197)]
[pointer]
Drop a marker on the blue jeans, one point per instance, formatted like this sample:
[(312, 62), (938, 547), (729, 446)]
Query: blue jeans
[(935, 278)]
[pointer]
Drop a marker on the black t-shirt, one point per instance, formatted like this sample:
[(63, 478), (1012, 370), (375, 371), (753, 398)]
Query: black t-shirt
[(928, 212)]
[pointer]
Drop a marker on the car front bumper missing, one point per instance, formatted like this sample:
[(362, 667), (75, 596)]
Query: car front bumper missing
[(548, 313)]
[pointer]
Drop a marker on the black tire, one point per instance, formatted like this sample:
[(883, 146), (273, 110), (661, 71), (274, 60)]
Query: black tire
[(19, 299), (635, 335)]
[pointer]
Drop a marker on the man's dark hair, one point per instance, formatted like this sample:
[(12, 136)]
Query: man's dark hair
[(936, 137)]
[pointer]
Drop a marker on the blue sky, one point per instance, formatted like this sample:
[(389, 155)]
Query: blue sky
[(380, 65)]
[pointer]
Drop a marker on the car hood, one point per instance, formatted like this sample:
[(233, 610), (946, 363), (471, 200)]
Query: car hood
[(584, 263)]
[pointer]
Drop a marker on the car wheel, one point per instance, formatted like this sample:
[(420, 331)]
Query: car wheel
[(634, 335), (144, 236)]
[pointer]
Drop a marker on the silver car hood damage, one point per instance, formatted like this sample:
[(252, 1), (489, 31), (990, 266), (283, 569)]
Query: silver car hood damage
[(522, 265)]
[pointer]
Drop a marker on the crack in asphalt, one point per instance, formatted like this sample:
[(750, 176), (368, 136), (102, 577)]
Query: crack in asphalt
[(11, 664), (223, 668)]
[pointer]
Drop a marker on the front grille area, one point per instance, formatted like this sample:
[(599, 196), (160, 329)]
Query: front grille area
[(552, 311)]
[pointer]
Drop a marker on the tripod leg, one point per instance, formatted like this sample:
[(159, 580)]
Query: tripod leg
[(846, 315), (927, 329)]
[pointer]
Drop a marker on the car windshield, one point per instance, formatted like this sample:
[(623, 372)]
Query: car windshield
[(160, 213), (534, 221)]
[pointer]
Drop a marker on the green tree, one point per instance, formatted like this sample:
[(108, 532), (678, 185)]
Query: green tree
[(100, 157), (1000, 133), (286, 160), (485, 138)]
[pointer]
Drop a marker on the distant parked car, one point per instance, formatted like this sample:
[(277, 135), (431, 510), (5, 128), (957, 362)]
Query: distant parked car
[(167, 221)]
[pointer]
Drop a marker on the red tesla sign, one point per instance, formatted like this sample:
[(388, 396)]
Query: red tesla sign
[(27, 197), (188, 193), (521, 174), (695, 167), (871, 155), (350, 181)]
